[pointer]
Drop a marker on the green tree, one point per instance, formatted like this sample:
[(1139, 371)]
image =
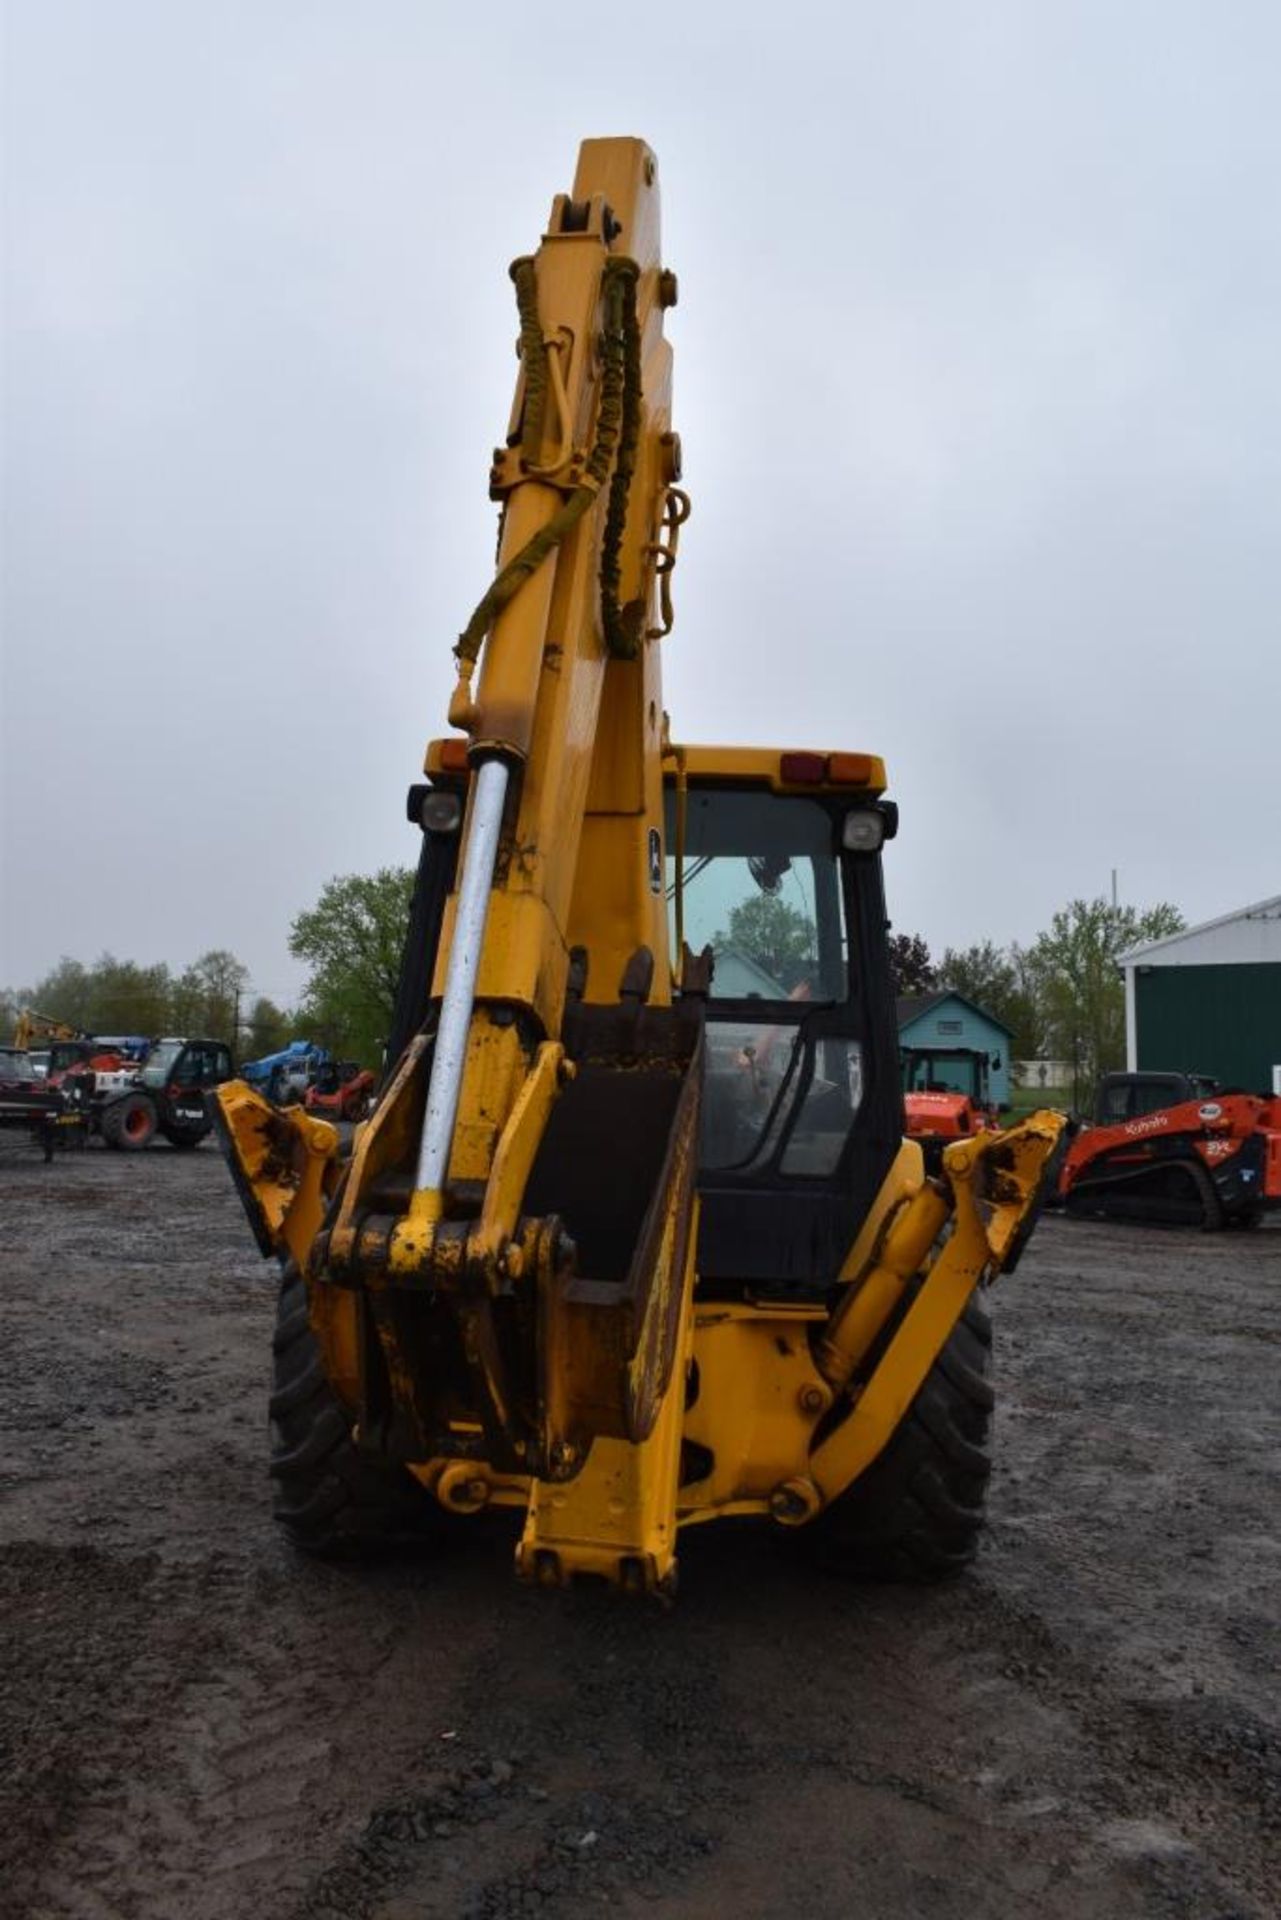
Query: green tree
[(120, 996), (267, 1029), (64, 994), (998, 980), (776, 935), (352, 941), (1078, 986), (186, 1003), (111, 996), (205, 998), (128, 998), (911, 969), (223, 979)]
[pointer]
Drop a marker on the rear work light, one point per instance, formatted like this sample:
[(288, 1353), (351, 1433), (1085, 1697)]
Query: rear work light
[(434, 809), (441, 812), (863, 830)]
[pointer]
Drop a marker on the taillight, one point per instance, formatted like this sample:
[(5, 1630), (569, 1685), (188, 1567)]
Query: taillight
[(802, 769), (850, 769)]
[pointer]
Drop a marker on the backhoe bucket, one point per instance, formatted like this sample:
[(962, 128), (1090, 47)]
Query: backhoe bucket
[(609, 1317)]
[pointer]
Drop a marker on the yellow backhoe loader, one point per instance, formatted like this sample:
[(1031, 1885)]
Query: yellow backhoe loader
[(632, 1239), (32, 1028)]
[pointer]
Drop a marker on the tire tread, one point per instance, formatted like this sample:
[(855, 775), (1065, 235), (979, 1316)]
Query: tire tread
[(917, 1512), (329, 1500)]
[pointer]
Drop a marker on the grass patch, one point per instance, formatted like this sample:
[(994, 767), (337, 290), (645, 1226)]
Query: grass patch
[(1025, 1100)]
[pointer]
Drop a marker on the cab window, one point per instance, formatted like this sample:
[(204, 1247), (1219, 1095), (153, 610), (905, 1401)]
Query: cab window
[(1149, 1096), (762, 884), (761, 888), (185, 1071)]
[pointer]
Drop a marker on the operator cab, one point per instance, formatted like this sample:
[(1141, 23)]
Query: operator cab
[(802, 1109), (1129, 1096), (187, 1065), (56, 1057), (949, 1070)]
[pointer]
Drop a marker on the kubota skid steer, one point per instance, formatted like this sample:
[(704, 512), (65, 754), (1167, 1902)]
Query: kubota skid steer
[(1177, 1149)]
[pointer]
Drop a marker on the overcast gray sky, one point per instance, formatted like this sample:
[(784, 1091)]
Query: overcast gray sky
[(976, 376)]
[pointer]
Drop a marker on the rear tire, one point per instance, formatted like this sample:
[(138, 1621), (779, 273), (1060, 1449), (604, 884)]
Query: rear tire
[(330, 1500), (129, 1125), (917, 1512)]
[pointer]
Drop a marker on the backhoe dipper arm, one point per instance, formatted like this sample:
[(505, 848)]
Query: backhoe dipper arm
[(32, 1026), (568, 696)]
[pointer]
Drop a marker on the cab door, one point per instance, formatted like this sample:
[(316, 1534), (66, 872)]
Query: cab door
[(194, 1073)]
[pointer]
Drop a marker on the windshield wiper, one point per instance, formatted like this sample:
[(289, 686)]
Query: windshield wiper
[(692, 872)]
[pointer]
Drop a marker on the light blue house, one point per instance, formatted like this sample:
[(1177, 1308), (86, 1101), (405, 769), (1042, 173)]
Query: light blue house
[(739, 977), (946, 1041)]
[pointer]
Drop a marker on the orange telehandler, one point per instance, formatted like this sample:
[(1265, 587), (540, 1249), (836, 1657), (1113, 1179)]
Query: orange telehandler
[(632, 1238)]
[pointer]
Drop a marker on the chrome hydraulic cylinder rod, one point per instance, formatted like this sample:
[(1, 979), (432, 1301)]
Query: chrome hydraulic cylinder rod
[(449, 1058)]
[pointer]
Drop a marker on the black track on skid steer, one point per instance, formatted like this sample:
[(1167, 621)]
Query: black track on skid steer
[(1175, 1192), (917, 1513), (330, 1499)]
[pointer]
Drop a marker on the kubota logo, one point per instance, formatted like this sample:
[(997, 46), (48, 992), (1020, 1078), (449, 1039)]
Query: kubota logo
[(1150, 1123)]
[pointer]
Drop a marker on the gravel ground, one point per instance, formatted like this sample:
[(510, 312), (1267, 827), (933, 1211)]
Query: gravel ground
[(195, 1726)]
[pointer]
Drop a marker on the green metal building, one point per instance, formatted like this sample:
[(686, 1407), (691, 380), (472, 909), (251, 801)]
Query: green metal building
[(1208, 1000)]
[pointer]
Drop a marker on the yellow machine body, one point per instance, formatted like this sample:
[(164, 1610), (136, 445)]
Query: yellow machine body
[(529, 1326), (32, 1027)]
